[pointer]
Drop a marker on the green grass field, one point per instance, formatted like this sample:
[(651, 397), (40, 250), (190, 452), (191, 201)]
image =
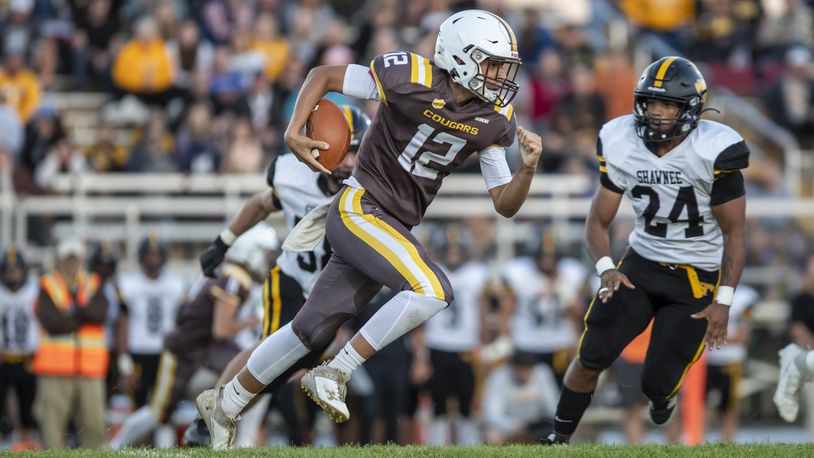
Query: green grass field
[(621, 451)]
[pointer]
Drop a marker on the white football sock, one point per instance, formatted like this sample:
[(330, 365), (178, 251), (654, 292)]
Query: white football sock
[(276, 354), (235, 398), (137, 425), (400, 315), (347, 360), (438, 433), (467, 432)]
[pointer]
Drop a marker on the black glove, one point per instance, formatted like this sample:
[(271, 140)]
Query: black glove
[(213, 256)]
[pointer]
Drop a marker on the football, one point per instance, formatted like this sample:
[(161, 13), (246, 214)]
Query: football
[(328, 123)]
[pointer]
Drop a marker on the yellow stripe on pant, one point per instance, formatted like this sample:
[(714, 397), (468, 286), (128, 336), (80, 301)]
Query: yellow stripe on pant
[(276, 302), (162, 391), (272, 303), (353, 198), (695, 358)]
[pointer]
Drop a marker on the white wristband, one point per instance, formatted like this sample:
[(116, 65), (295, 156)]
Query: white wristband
[(725, 295), (604, 263), (228, 237)]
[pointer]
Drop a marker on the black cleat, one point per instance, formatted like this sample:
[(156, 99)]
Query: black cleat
[(662, 413), (554, 439), (197, 434)]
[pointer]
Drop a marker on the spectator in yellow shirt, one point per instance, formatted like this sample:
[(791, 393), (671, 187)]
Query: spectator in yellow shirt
[(666, 19), (274, 48), (144, 66), (19, 85)]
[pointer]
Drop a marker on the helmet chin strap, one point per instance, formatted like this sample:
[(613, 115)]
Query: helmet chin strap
[(708, 109)]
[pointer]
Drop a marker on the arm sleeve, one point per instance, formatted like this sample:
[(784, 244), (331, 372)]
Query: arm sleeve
[(604, 178), (493, 166), (728, 186), (359, 82)]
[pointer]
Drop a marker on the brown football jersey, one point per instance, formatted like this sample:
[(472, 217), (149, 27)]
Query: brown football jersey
[(420, 134), (193, 331)]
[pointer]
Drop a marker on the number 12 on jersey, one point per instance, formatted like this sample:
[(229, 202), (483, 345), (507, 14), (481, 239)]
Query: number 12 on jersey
[(423, 165)]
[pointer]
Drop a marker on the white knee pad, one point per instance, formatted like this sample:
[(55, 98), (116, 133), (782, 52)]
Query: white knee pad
[(400, 315)]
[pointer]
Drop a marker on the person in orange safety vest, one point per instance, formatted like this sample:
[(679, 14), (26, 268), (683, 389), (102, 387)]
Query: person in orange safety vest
[(72, 358)]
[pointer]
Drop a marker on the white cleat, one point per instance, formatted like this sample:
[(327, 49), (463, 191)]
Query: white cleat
[(787, 395), (327, 387), (221, 427)]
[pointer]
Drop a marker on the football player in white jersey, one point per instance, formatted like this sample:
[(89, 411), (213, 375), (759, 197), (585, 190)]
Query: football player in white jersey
[(151, 299), (541, 314), (19, 338), (683, 177), (452, 338), (295, 190)]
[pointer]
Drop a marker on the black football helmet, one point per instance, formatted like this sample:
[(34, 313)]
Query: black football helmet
[(103, 259), (358, 122), (673, 79), (13, 258), (149, 243)]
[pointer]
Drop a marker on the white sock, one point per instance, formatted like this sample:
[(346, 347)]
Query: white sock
[(438, 433), (137, 425), (467, 432), (276, 354), (400, 315), (347, 360), (235, 398)]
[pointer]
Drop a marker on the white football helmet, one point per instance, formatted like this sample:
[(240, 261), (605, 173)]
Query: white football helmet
[(468, 38), (252, 247)]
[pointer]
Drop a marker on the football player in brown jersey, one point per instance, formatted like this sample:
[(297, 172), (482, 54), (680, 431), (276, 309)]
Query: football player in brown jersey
[(204, 331), (432, 116)]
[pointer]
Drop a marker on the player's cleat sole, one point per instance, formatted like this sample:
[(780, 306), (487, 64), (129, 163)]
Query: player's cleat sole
[(326, 386), (787, 395), (662, 413), (221, 428)]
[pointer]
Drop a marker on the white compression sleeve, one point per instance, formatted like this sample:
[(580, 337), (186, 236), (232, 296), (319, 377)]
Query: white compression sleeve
[(400, 315), (493, 166), (276, 354), (360, 83)]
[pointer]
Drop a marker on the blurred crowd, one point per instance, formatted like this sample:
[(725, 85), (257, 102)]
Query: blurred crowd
[(207, 86), (218, 78)]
